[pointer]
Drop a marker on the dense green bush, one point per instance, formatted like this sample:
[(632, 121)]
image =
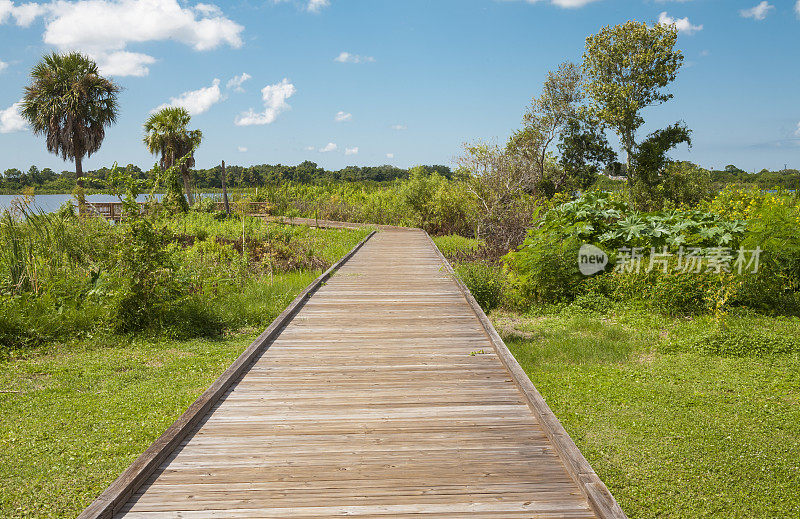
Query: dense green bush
[(485, 281), (545, 268)]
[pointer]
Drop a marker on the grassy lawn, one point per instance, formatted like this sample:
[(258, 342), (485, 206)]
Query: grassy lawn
[(672, 432)]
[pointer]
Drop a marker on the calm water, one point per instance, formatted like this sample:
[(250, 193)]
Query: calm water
[(50, 203)]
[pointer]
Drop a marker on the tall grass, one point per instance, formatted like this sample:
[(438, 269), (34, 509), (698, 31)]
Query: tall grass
[(65, 278)]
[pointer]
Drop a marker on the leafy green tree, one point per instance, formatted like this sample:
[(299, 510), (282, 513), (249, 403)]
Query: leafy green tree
[(167, 134), (71, 104), (650, 161), (584, 153), (546, 116), (627, 68)]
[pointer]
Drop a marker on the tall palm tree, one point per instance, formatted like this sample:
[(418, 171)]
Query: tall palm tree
[(166, 133), (70, 103)]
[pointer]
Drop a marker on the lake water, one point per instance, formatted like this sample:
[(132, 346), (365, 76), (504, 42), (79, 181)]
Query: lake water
[(50, 203)]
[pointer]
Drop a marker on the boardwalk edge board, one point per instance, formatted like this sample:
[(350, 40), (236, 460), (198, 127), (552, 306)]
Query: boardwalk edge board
[(117, 494), (600, 498)]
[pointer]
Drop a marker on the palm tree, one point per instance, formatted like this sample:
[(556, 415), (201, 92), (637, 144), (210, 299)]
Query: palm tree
[(70, 103), (166, 133)]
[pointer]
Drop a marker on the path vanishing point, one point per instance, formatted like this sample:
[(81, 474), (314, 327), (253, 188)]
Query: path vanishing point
[(382, 392)]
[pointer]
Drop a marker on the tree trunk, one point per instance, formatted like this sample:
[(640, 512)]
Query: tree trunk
[(79, 183), (628, 144), (225, 191), (187, 185)]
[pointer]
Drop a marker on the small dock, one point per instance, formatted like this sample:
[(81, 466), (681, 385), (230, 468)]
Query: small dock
[(383, 393)]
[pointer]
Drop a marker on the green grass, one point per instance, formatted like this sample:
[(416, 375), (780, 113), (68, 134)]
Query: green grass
[(454, 246), (74, 413), (73, 419), (673, 432)]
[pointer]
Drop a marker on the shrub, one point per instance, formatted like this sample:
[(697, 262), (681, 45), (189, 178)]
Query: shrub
[(545, 268), (486, 282), (145, 291)]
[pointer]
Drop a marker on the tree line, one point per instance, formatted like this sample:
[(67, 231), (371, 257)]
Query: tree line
[(46, 180)]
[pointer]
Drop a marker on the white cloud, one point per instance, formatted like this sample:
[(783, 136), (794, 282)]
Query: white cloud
[(310, 148), (758, 12), (3, 65), (23, 14), (103, 29), (351, 151), (797, 131), (328, 148), (274, 97), (399, 127), (346, 57), (390, 155), (236, 82), (197, 101), (343, 117), (124, 63), (682, 24), (241, 149), (11, 120), (797, 7), (315, 6)]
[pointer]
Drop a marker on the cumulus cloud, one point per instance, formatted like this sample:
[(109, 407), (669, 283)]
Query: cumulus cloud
[(124, 63), (351, 151), (197, 101), (274, 97), (23, 14), (343, 117), (329, 148), (346, 57), (682, 24), (236, 82), (11, 120), (3, 65), (241, 149), (390, 155), (759, 12), (103, 29), (399, 127)]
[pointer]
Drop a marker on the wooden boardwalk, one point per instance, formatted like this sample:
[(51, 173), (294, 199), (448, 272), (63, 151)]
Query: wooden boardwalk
[(383, 396)]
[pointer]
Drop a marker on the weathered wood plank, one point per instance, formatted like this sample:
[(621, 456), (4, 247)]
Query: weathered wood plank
[(384, 395)]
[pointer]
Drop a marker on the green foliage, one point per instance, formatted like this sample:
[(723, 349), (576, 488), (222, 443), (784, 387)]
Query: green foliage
[(486, 282), (627, 66), (458, 248), (747, 342), (649, 162), (177, 276), (70, 103), (686, 185), (545, 268), (585, 151)]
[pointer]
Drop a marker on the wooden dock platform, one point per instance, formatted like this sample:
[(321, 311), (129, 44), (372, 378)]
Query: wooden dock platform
[(384, 395)]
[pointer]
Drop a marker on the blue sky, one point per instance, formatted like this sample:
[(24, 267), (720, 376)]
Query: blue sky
[(408, 80)]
